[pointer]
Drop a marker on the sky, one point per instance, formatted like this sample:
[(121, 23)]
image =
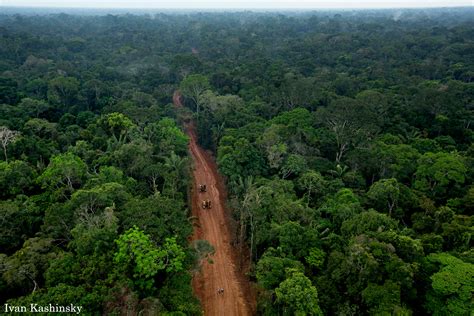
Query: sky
[(222, 4)]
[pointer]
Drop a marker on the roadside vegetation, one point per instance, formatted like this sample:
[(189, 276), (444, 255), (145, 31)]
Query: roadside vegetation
[(345, 139)]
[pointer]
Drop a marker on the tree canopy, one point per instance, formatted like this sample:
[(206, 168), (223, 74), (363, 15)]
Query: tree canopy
[(345, 140)]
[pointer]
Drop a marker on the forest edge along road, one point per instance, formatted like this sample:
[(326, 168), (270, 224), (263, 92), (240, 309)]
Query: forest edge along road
[(222, 274)]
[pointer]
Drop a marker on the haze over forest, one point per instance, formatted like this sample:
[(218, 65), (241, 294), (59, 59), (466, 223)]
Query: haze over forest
[(226, 4), (336, 147)]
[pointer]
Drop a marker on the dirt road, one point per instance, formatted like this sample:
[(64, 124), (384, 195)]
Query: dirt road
[(213, 227)]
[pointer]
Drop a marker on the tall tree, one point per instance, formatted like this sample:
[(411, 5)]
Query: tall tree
[(351, 122), (297, 295), (193, 86), (7, 136), (63, 90)]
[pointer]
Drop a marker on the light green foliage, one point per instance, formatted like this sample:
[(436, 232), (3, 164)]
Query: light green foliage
[(345, 196), (437, 171), (118, 125), (315, 258), (137, 252), (452, 286), (173, 254), (167, 137), (65, 171), (425, 145), (297, 295)]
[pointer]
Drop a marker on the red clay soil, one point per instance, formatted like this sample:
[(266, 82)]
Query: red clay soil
[(214, 226)]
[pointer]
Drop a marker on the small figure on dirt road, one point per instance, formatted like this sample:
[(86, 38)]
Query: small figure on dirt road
[(202, 188), (206, 204), (220, 291)]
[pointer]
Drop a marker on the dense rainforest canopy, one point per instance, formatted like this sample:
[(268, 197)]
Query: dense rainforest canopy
[(345, 138)]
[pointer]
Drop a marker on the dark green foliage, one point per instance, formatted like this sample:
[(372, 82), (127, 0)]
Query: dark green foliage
[(270, 270), (8, 91), (20, 220), (16, 177), (157, 216), (94, 154), (237, 157), (345, 139)]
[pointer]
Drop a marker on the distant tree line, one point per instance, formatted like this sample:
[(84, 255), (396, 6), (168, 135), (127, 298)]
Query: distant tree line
[(345, 139)]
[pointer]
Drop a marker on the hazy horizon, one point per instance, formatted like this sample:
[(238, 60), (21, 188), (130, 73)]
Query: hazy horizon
[(233, 4)]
